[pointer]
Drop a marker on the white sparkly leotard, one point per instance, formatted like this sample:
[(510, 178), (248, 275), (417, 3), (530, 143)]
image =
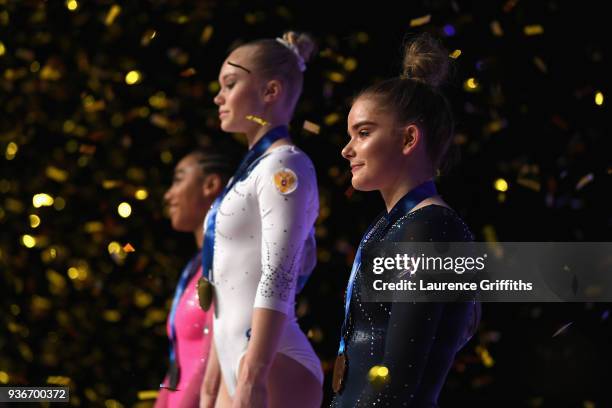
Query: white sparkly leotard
[(263, 242)]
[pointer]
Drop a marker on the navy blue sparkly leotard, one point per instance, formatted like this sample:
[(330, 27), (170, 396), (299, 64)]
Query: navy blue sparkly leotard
[(417, 342)]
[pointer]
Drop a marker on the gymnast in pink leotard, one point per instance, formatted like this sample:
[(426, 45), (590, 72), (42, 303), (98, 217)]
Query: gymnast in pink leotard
[(198, 178)]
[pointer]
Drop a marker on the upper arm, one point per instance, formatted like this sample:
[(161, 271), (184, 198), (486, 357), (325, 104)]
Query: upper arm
[(288, 206)]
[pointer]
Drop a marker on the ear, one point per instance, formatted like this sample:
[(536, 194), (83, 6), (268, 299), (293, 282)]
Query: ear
[(411, 138), (212, 186), (273, 90)]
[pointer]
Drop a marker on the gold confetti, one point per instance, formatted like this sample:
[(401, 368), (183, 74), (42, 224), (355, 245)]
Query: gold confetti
[(419, 21), (509, 5), (535, 29), (529, 183), (331, 119), (147, 37), (2, 49), (13, 205), (350, 64), (124, 210), (147, 395), (539, 62), (584, 181), (112, 14), (455, 54), (49, 73), (188, 72), (257, 119), (160, 121), (495, 126), (34, 220), (312, 127), (132, 77), (111, 403), (42, 200), (58, 380), (336, 77), (11, 150), (471, 85), (87, 149), (315, 334), (72, 5), (496, 28), (501, 185), (128, 248), (142, 299), (378, 376), (111, 315), (28, 241), (141, 194), (92, 227), (207, 32), (599, 98), (484, 355), (56, 174), (108, 184)]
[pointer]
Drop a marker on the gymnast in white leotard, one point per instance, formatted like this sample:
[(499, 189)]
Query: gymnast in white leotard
[(264, 243)]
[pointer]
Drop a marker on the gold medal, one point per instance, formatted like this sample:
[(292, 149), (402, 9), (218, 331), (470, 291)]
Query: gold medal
[(205, 293), (339, 373)]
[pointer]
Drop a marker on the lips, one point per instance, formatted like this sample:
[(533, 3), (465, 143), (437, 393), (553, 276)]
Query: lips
[(356, 166), (223, 113)]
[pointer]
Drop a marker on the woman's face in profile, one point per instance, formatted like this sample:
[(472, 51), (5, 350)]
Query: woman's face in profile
[(186, 203), (375, 148), (240, 92)]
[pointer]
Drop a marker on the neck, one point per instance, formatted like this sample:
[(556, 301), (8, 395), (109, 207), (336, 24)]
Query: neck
[(198, 233), (254, 136), (393, 194)]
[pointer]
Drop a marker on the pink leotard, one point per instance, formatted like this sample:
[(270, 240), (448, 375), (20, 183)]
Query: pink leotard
[(193, 338)]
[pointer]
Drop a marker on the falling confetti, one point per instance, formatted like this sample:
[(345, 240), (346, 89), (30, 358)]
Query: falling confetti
[(257, 119), (420, 21), (563, 329), (312, 127)]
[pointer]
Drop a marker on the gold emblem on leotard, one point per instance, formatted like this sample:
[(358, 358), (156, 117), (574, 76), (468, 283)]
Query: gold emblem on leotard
[(205, 293), (285, 181), (339, 373)]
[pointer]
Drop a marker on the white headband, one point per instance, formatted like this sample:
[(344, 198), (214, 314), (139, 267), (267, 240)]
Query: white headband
[(294, 49)]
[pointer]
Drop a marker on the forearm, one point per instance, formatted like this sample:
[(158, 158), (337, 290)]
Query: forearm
[(266, 330)]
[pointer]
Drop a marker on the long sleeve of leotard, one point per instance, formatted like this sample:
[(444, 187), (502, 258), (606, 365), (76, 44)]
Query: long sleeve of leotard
[(288, 207)]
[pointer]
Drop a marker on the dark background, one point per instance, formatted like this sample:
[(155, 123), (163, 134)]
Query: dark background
[(86, 138)]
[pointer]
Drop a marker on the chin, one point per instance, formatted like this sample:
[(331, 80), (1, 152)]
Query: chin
[(361, 186)]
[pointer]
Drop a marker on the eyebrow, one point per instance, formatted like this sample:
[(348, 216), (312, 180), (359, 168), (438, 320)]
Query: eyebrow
[(238, 66), (363, 122)]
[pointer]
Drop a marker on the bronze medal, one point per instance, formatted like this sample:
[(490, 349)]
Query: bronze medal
[(339, 373), (205, 293)]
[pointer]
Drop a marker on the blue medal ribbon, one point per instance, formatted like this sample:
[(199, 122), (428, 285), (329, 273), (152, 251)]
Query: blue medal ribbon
[(247, 164), (188, 272), (402, 207)]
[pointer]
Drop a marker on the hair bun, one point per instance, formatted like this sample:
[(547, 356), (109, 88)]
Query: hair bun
[(426, 60), (303, 42)]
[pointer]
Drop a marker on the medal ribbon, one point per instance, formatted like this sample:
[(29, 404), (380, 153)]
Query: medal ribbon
[(249, 159), (402, 207)]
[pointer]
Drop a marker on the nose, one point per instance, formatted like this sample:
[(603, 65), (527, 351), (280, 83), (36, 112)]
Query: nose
[(167, 195), (347, 151), (218, 99)]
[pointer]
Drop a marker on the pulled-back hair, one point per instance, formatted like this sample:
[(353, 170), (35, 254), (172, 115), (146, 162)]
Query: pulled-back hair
[(215, 162), (415, 97), (273, 60)]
